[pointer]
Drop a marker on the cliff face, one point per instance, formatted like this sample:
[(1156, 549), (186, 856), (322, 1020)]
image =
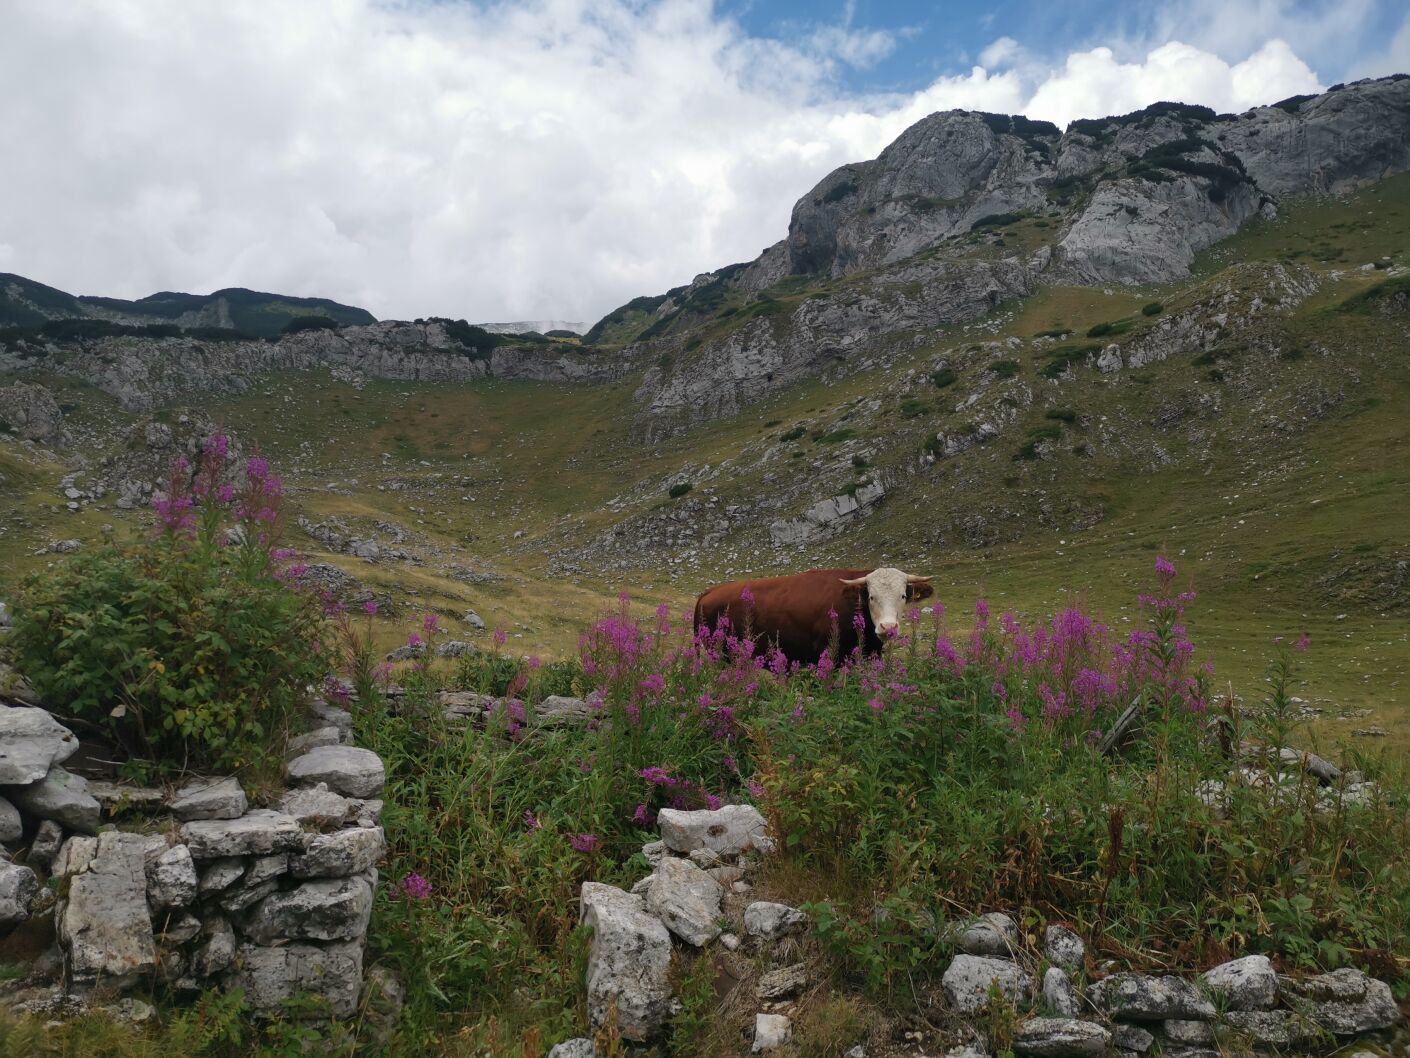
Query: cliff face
[(144, 373), (965, 211)]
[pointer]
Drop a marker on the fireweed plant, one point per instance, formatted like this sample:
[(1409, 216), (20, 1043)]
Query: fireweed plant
[(192, 646), (959, 772)]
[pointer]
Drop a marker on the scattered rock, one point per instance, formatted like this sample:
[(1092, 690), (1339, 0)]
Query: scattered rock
[(1136, 997), (772, 921), (653, 851), (221, 875), (578, 1048), (783, 983), (687, 900), (474, 620), (628, 961), (728, 831), (770, 1031), (1062, 947), (1249, 983), (1059, 994), (62, 797), (116, 797), (319, 736), (74, 857), (258, 832), (31, 742), (347, 770), (1061, 1038), (968, 978)]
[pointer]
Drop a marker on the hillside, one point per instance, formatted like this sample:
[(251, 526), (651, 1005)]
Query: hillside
[(26, 304), (983, 407)]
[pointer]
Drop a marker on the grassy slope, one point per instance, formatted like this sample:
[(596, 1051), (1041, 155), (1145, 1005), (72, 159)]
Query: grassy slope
[(1256, 528)]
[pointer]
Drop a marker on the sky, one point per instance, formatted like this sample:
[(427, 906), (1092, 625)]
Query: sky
[(549, 159)]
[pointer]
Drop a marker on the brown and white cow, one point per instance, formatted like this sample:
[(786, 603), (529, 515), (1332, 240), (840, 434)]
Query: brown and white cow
[(794, 612)]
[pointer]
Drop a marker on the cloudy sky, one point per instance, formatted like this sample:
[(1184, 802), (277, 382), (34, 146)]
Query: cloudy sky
[(549, 158)]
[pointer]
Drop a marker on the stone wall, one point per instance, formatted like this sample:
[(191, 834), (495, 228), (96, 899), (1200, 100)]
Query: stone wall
[(191, 888)]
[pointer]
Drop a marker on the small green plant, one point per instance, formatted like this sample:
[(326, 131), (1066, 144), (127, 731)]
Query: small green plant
[(846, 433), (679, 489), (912, 408), (944, 377), (1005, 368), (1153, 308), (792, 434)]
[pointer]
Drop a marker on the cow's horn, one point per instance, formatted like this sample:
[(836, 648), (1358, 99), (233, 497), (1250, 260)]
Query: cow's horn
[(911, 578), (853, 583)]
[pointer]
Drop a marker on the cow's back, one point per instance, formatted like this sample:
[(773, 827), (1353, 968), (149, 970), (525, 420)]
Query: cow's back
[(794, 612)]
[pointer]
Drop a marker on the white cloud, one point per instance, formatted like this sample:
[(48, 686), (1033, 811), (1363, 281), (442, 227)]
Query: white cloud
[(543, 159)]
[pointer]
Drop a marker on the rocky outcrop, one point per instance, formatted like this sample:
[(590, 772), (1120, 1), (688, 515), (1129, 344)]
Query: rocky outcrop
[(30, 412)]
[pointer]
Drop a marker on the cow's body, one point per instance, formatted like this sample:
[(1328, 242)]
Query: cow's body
[(795, 612)]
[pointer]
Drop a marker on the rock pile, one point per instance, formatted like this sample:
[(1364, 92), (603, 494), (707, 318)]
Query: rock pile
[(212, 892)]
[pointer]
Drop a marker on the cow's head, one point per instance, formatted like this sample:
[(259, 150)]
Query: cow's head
[(887, 590)]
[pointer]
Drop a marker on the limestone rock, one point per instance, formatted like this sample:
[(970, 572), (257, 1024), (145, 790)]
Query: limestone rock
[(1136, 997), (48, 839), (1062, 947), (324, 909), (31, 742), (339, 854), (687, 900), (18, 890), (270, 976), (1249, 983), (770, 1032), (772, 921), (217, 954), (171, 878), (1189, 1033), (557, 710), (105, 924), (1346, 1002), (116, 797), (258, 832), (221, 875), (1059, 994), (62, 797), (11, 826), (265, 868), (628, 961), (75, 856), (327, 715), (653, 851), (827, 517), (318, 806), (727, 831), (1273, 1028), (992, 934), (210, 799), (347, 770), (243, 896), (319, 736), (782, 983), (1128, 1037), (968, 978), (577, 1048), (1061, 1038)]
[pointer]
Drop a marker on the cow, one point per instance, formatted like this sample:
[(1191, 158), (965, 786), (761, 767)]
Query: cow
[(795, 612)]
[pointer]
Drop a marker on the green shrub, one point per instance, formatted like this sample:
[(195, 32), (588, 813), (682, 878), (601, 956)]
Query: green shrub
[(1005, 368), (1153, 308), (912, 408), (944, 377), (846, 433), (859, 461), (1061, 414), (1054, 332), (792, 434), (185, 650), (679, 489)]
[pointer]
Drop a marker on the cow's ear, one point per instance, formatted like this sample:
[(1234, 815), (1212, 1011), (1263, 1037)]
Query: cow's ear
[(917, 590), (858, 582)]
